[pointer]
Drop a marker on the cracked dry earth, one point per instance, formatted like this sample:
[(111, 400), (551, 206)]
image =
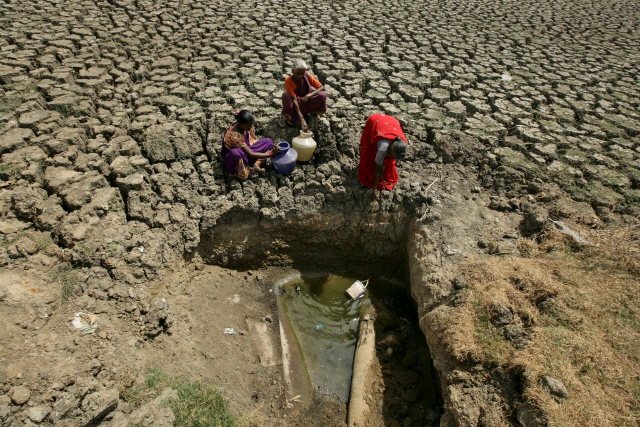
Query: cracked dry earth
[(113, 197)]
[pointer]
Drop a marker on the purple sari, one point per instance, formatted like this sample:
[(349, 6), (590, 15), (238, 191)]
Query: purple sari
[(316, 104), (233, 156)]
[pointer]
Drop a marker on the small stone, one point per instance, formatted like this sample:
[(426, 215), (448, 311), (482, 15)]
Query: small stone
[(554, 386), (502, 314), (535, 218), (512, 332), (534, 188), (99, 404), (26, 246), (548, 306), (482, 243), (20, 395), (519, 343), (38, 413), (2, 295), (528, 416), (459, 283), (102, 335), (603, 212)]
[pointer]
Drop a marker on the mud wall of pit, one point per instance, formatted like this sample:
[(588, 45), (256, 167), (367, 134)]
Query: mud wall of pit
[(393, 245), (355, 242)]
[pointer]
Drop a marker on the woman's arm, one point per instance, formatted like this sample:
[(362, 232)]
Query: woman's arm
[(255, 155), (296, 107), (310, 94), (377, 171)]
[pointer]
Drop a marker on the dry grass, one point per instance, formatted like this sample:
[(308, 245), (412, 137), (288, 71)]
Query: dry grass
[(590, 340)]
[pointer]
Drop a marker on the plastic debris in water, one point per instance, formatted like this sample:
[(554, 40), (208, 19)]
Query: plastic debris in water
[(358, 289), (319, 326), (86, 323)]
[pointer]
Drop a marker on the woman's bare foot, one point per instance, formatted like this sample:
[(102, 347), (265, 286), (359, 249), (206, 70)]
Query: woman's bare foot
[(258, 170), (284, 121)]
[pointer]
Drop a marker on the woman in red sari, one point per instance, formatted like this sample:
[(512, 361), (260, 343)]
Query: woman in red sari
[(304, 94), (382, 143)]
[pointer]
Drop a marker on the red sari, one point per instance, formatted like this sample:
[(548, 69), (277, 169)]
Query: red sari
[(378, 126)]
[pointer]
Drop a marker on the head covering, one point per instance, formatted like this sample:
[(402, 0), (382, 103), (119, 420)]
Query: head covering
[(399, 149)]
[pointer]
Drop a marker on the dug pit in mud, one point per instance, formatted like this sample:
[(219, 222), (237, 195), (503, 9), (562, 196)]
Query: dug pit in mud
[(403, 384)]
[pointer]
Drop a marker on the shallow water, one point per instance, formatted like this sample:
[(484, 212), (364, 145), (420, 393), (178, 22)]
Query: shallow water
[(325, 322)]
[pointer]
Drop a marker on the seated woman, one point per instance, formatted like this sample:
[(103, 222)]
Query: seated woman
[(242, 153), (303, 95)]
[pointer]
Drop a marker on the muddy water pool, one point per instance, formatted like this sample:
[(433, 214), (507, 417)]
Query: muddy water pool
[(325, 323)]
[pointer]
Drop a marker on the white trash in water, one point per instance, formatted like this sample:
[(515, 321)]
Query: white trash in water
[(358, 289)]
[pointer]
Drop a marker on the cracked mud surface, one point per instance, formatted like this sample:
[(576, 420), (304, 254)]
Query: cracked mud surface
[(111, 114)]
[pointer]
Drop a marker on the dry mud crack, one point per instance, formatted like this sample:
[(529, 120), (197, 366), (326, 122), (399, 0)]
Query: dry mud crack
[(114, 201)]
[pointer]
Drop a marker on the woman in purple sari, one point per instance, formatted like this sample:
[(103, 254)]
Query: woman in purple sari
[(303, 94), (242, 153)]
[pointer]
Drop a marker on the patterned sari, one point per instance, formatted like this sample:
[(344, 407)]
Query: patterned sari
[(235, 159)]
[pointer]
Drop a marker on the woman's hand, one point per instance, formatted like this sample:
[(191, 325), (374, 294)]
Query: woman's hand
[(305, 127), (275, 149), (306, 98), (375, 195)]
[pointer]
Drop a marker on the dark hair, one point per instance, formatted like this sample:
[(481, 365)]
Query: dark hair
[(244, 117)]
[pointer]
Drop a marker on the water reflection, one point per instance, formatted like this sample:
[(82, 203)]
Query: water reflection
[(325, 322)]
